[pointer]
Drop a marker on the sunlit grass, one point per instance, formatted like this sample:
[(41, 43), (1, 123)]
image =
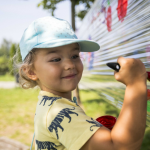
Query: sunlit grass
[(7, 77), (146, 140), (98, 78), (95, 106), (17, 109)]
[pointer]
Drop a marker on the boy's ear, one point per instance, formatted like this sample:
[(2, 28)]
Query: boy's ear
[(30, 74)]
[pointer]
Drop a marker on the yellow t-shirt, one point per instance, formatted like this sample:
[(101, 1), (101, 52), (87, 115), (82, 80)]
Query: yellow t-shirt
[(61, 124)]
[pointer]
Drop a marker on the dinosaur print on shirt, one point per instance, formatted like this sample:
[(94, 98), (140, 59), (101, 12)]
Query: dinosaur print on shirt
[(45, 145), (59, 118), (51, 99), (95, 124)]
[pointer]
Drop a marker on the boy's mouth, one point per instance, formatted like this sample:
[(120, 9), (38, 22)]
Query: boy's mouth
[(69, 76)]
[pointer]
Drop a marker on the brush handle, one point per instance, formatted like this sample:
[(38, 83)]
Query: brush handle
[(115, 66)]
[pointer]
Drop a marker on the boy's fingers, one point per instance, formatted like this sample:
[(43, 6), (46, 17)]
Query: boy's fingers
[(116, 74), (125, 62), (121, 59)]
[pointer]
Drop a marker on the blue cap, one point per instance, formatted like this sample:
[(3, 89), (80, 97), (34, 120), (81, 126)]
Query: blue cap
[(48, 32)]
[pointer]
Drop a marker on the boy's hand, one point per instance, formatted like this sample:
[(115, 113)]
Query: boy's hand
[(132, 71)]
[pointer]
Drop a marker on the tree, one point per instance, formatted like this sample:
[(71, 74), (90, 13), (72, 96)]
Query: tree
[(4, 56), (4, 68), (4, 49), (14, 51), (51, 5)]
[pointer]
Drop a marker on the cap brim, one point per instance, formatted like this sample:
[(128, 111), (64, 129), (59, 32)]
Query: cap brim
[(85, 45)]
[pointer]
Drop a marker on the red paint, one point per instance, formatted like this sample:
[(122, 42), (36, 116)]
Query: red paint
[(109, 19), (89, 56), (148, 73), (107, 121), (122, 9), (148, 94)]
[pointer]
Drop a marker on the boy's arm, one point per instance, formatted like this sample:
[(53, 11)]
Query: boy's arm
[(128, 132), (132, 119)]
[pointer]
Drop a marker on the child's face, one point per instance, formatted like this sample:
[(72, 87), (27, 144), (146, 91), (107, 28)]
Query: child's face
[(52, 65)]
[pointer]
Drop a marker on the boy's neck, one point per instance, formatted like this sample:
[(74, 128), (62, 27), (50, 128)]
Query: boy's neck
[(67, 95)]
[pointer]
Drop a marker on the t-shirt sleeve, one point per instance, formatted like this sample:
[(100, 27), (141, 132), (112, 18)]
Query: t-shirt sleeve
[(70, 125)]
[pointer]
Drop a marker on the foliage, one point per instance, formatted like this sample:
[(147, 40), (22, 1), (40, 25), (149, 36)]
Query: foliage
[(87, 5), (3, 65), (4, 56), (15, 57), (5, 46), (12, 50), (7, 52), (81, 14), (12, 53), (51, 5), (19, 57)]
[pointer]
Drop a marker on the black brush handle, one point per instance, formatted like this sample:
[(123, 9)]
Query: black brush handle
[(113, 65)]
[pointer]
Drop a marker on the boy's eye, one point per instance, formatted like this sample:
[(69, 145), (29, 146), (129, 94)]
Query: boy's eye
[(75, 56), (56, 60)]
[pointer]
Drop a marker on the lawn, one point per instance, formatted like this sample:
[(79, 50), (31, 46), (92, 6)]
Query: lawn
[(17, 109), (7, 77), (98, 78)]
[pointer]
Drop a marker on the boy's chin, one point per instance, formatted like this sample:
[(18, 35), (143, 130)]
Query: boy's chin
[(68, 89)]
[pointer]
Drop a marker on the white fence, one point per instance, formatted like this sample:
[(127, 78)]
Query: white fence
[(121, 29), (129, 37)]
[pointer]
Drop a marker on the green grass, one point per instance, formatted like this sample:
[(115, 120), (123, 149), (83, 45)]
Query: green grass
[(95, 106), (17, 109), (148, 106), (146, 140), (7, 77), (98, 78)]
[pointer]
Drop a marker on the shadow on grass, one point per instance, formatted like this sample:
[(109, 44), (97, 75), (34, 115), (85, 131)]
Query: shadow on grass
[(146, 140)]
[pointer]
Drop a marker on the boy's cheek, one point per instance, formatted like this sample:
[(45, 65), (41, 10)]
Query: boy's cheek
[(82, 67), (81, 70)]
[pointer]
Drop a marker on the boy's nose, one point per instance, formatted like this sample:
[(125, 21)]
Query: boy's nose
[(69, 64)]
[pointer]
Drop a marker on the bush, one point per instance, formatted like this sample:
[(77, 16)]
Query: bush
[(4, 65), (11, 55), (14, 49)]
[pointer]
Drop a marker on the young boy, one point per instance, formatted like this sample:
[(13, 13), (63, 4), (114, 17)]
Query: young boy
[(50, 52)]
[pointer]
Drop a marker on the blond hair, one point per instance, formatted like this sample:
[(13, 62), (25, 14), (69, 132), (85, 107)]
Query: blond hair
[(27, 63)]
